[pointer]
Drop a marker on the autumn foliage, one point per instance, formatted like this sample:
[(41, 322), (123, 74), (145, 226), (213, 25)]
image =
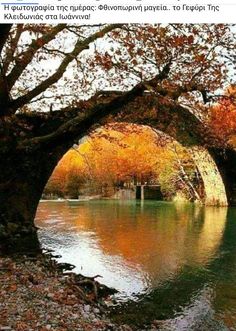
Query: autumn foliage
[(119, 156), (223, 118)]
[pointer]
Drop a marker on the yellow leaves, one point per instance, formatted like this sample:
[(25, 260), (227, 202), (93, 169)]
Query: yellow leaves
[(120, 153)]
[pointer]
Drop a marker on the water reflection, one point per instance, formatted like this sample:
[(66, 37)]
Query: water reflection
[(133, 247), (177, 259)]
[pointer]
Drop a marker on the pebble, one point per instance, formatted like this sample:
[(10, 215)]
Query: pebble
[(96, 310), (87, 308), (50, 295), (85, 315), (49, 304)]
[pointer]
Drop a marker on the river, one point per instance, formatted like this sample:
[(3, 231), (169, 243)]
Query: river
[(170, 262)]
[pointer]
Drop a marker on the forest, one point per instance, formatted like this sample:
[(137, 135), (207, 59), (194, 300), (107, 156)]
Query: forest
[(111, 159)]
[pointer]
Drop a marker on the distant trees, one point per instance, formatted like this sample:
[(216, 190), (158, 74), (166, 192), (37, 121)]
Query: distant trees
[(125, 155)]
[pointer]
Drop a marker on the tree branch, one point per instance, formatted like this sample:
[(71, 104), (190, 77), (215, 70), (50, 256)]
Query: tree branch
[(81, 123), (5, 29), (23, 60), (79, 47), (10, 51)]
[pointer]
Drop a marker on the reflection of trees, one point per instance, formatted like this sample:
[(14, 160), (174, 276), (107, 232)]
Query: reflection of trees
[(183, 248), (205, 233), (159, 238), (185, 290)]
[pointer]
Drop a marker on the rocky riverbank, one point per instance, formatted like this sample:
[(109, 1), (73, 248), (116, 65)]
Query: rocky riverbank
[(37, 295)]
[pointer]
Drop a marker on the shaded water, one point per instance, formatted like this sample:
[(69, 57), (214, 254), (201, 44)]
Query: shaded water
[(176, 262)]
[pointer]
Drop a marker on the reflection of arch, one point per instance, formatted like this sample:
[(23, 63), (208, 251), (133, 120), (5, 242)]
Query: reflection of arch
[(191, 279), (210, 236)]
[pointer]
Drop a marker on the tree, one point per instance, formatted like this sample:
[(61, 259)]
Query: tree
[(57, 83), (124, 154), (67, 177), (180, 175), (223, 117)]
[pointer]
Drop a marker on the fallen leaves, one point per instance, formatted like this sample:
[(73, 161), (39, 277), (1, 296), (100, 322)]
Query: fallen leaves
[(35, 296)]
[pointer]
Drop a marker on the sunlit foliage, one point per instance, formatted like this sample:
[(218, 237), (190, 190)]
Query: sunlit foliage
[(223, 117), (124, 157)]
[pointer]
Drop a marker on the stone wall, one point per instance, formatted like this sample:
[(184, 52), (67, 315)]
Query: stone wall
[(215, 193)]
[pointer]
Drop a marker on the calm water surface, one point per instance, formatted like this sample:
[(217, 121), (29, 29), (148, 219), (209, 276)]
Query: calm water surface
[(170, 262)]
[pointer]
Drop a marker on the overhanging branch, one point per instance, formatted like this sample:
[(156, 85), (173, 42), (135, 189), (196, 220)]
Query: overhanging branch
[(4, 33), (81, 123), (84, 120), (24, 59), (79, 47)]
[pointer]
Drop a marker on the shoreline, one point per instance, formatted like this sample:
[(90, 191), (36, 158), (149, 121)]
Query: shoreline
[(37, 295)]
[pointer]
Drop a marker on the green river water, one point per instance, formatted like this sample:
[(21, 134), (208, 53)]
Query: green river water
[(174, 263)]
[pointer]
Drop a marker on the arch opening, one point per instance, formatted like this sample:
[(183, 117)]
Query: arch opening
[(112, 162)]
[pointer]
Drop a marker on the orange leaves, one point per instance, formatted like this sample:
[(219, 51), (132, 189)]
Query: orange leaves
[(126, 55), (30, 315), (104, 60), (119, 153), (12, 288), (178, 41), (190, 39), (200, 57), (21, 326), (223, 118)]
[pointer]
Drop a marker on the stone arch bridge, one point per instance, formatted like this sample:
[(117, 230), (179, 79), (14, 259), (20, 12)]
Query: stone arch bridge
[(216, 164), (43, 138)]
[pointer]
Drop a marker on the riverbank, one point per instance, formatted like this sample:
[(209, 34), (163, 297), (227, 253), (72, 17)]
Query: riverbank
[(36, 295)]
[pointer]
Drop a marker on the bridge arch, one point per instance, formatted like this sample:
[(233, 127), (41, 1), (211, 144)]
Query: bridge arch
[(213, 185), (35, 158), (184, 126)]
